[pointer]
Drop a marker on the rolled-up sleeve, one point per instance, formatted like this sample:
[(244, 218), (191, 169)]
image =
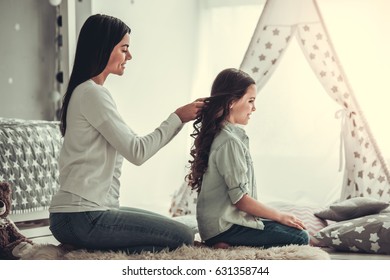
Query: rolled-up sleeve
[(231, 164)]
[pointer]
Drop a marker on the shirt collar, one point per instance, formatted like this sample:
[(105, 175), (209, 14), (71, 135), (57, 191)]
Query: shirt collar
[(236, 129)]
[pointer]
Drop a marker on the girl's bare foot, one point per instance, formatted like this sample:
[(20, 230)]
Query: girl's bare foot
[(221, 245), (199, 244)]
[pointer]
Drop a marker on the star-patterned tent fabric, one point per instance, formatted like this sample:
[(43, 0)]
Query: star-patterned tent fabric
[(28, 161), (366, 173)]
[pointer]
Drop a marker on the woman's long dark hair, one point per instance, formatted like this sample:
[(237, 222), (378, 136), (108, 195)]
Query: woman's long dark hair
[(98, 37), (229, 86)]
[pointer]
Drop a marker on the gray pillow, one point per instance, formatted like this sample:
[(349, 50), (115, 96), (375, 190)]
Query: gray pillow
[(368, 234), (352, 208)]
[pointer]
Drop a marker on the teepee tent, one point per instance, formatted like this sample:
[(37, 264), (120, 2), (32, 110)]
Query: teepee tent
[(365, 170)]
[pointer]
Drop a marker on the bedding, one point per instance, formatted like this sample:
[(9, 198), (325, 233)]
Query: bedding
[(29, 150)]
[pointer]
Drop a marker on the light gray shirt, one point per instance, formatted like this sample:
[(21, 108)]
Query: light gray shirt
[(95, 142), (228, 178)]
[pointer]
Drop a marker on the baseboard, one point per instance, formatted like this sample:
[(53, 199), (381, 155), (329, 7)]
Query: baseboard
[(37, 231), (29, 216)]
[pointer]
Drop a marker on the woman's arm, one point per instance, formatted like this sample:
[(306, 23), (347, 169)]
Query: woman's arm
[(99, 109), (258, 209)]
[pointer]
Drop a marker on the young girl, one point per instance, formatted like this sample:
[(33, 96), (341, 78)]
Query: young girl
[(221, 170), (85, 212)]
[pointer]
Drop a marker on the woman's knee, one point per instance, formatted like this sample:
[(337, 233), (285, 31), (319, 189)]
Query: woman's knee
[(187, 235), (59, 226)]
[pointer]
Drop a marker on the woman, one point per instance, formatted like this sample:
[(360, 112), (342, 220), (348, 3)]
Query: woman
[(221, 171), (85, 212)]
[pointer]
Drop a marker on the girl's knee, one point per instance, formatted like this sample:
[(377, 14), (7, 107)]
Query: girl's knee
[(304, 237), (189, 237)]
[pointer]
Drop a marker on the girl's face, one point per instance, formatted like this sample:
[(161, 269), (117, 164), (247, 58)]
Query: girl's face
[(241, 110), (119, 56)]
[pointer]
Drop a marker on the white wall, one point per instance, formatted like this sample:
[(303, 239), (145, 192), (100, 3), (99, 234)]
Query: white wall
[(28, 54), (156, 82)]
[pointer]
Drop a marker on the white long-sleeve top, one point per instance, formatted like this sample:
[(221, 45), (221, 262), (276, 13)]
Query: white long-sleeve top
[(96, 138)]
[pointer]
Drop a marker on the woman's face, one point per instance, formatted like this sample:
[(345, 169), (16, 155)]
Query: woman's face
[(119, 56), (241, 110)]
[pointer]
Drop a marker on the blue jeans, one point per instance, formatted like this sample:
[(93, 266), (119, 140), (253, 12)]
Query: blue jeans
[(274, 234), (126, 229)]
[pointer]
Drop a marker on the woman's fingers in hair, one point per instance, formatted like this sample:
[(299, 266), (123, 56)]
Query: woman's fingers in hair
[(201, 99), (199, 104), (190, 111)]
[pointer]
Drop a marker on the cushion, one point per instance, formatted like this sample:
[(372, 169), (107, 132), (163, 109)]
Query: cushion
[(29, 150), (188, 220), (368, 234), (352, 208), (306, 214), (183, 201)]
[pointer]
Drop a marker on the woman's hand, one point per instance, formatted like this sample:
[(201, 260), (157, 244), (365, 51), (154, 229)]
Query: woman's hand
[(291, 221), (190, 111)]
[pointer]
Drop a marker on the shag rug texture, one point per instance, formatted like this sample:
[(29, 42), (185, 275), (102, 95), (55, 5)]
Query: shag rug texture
[(291, 252)]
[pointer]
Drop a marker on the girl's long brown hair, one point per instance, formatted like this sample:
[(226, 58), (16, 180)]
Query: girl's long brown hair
[(229, 86)]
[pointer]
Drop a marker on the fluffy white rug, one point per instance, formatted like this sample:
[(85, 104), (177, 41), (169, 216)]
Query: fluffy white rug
[(292, 252)]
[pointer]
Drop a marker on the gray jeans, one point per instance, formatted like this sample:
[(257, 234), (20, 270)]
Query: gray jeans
[(126, 229)]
